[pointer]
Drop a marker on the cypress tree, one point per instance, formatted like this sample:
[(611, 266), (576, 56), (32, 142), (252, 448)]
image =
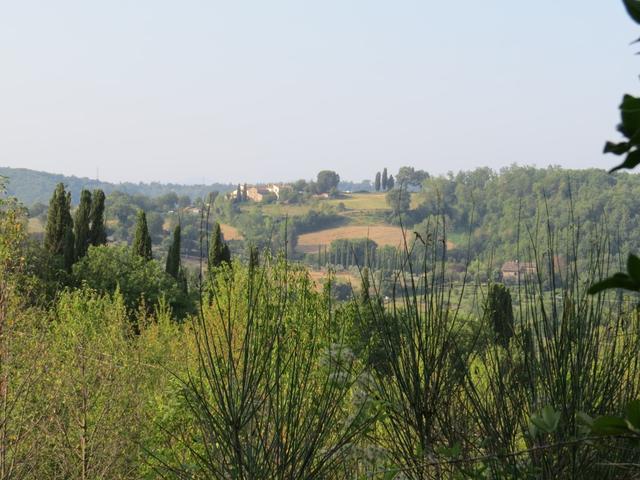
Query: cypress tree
[(219, 252), (238, 194), (365, 286), (68, 253), (383, 183), (97, 232), (500, 313), (182, 281), (254, 258), (244, 193), (377, 182), (58, 222), (226, 253), (391, 182), (82, 225), (142, 240), (173, 257)]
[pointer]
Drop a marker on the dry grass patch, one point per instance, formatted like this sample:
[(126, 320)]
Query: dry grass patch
[(381, 234), (230, 233), (319, 276), (35, 226), (281, 210)]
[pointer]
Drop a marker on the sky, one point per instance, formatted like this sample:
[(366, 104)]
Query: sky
[(251, 90)]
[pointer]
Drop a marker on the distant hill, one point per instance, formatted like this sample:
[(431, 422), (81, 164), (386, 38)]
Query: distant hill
[(32, 186)]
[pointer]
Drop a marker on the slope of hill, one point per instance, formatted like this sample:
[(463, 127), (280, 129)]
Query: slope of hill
[(32, 186)]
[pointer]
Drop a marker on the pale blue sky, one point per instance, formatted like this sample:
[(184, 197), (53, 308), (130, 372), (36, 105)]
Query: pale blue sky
[(238, 90)]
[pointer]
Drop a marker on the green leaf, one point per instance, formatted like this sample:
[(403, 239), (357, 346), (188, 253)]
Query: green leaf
[(633, 267), (617, 148), (547, 421), (584, 419), (450, 452), (391, 473), (632, 414), (607, 425), (632, 160), (633, 9), (630, 113), (618, 280), (551, 417)]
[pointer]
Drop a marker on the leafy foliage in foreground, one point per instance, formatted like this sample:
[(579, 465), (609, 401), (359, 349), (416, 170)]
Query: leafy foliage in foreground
[(273, 379), (109, 269)]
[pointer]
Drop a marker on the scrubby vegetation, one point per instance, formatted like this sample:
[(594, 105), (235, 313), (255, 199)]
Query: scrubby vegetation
[(252, 371)]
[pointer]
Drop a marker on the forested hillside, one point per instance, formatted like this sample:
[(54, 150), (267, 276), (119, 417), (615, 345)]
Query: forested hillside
[(31, 186), (496, 211), (490, 217)]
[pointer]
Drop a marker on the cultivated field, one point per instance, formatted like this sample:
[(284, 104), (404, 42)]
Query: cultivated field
[(361, 201), (319, 276), (279, 210), (230, 233), (381, 234)]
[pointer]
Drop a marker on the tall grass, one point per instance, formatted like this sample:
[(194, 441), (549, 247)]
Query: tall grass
[(274, 392), (571, 352), (457, 403), (289, 386), (420, 378)]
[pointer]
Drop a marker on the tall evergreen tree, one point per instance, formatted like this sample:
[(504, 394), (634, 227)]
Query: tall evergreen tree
[(383, 183), (500, 313), (254, 257), (59, 221), (238, 194), (377, 182), (244, 193), (219, 252), (182, 281), (97, 232), (365, 286), (82, 225), (173, 257), (68, 252), (226, 253), (142, 240), (390, 183)]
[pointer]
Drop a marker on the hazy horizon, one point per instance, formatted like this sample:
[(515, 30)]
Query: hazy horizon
[(209, 92)]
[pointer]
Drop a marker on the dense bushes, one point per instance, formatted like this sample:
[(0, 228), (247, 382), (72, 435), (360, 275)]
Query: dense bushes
[(272, 379), (108, 269), (315, 220)]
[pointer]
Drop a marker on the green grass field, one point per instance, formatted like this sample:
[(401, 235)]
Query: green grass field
[(360, 208), (361, 201), (275, 210)]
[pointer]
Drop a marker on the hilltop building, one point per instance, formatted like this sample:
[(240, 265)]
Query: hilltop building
[(511, 270), (257, 193)]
